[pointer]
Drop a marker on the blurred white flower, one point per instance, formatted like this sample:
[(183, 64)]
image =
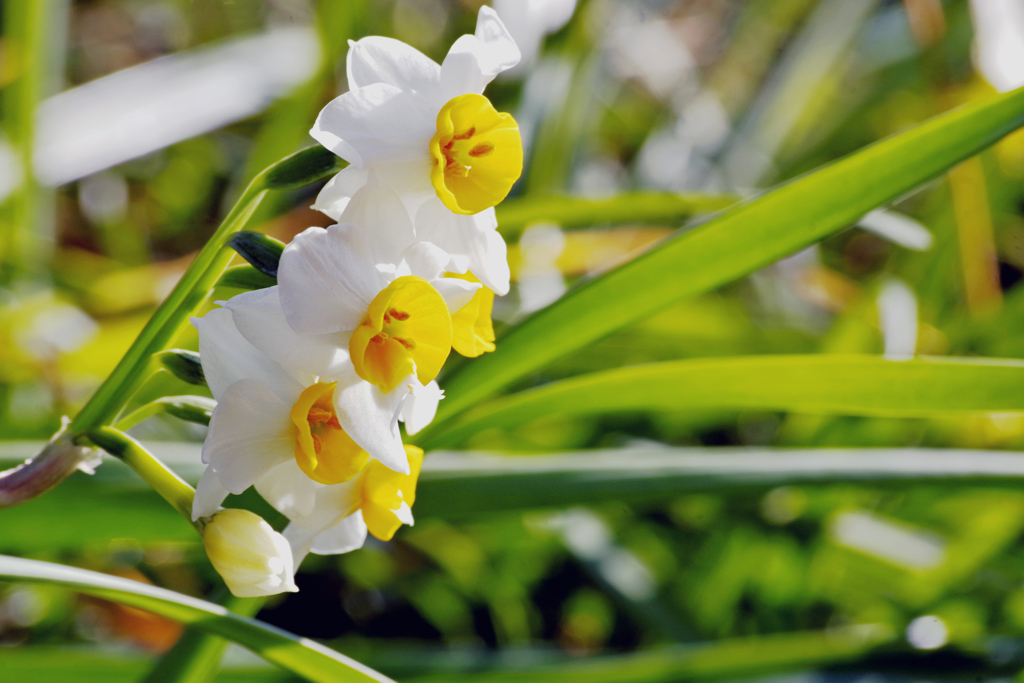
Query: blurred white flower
[(428, 132), (250, 556), (529, 21), (999, 42)]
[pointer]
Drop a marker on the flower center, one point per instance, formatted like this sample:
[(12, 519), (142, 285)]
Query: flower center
[(323, 450), (407, 329), (477, 154)]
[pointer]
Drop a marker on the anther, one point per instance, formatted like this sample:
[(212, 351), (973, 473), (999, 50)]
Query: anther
[(465, 136), (481, 150), (398, 315)]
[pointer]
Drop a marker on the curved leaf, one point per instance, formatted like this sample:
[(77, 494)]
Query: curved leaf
[(735, 244), (817, 384), (659, 208), (300, 656)]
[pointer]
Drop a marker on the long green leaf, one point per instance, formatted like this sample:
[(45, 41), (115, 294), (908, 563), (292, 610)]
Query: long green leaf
[(733, 658), (735, 244), (196, 657), (457, 485), (659, 208), (301, 656), (818, 384)]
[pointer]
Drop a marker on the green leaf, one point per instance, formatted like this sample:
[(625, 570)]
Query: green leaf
[(737, 243), (245, 277), (261, 251), (816, 384), (652, 208), (300, 656), (458, 485), (185, 365), (196, 656), (735, 658)]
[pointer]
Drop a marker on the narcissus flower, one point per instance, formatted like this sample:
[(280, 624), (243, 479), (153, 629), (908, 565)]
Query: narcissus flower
[(325, 429), (428, 132), (369, 287), (250, 556), (378, 501)]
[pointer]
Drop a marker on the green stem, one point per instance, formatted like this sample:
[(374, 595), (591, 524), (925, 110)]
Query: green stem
[(296, 170), (173, 488), (118, 388), (28, 42)]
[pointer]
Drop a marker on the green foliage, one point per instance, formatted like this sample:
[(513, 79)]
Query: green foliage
[(307, 659), (735, 244)]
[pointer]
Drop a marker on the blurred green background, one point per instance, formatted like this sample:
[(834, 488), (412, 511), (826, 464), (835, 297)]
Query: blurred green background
[(146, 118)]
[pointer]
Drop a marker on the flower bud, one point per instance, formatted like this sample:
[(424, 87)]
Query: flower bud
[(252, 558)]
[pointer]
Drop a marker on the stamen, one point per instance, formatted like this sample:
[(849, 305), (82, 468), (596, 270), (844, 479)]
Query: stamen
[(407, 343), (318, 444), (379, 338), (465, 136), (398, 315), (481, 150), (318, 415)]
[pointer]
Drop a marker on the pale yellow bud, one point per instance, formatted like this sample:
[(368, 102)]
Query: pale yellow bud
[(252, 558)]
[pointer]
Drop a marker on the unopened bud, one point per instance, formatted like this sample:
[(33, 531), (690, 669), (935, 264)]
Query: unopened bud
[(252, 558)]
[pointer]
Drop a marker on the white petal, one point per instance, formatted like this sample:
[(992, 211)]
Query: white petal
[(227, 358), (378, 123), (404, 514), (386, 60), (425, 259), (327, 280), (470, 240), (250, 433), (421, 405), (370, 417), (347, 535), (260, 319), (383, 220), (288, 490), (474, 61), (210, 495), (334, 196), (457, 293), (410, 180)]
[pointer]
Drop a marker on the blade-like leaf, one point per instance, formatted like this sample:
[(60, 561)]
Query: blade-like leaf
[(463, 484), (301, 656), (657, 208), (735, 244), (819, 384), (729, 659)]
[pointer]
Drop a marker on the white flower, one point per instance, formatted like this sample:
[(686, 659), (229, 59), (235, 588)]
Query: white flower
[(378, 501), (252, 558), (324, 428), (429, 133), (368, 287), (530, 20)]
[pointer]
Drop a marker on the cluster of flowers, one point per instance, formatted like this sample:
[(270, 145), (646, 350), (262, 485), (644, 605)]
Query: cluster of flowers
[(312, 376)]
